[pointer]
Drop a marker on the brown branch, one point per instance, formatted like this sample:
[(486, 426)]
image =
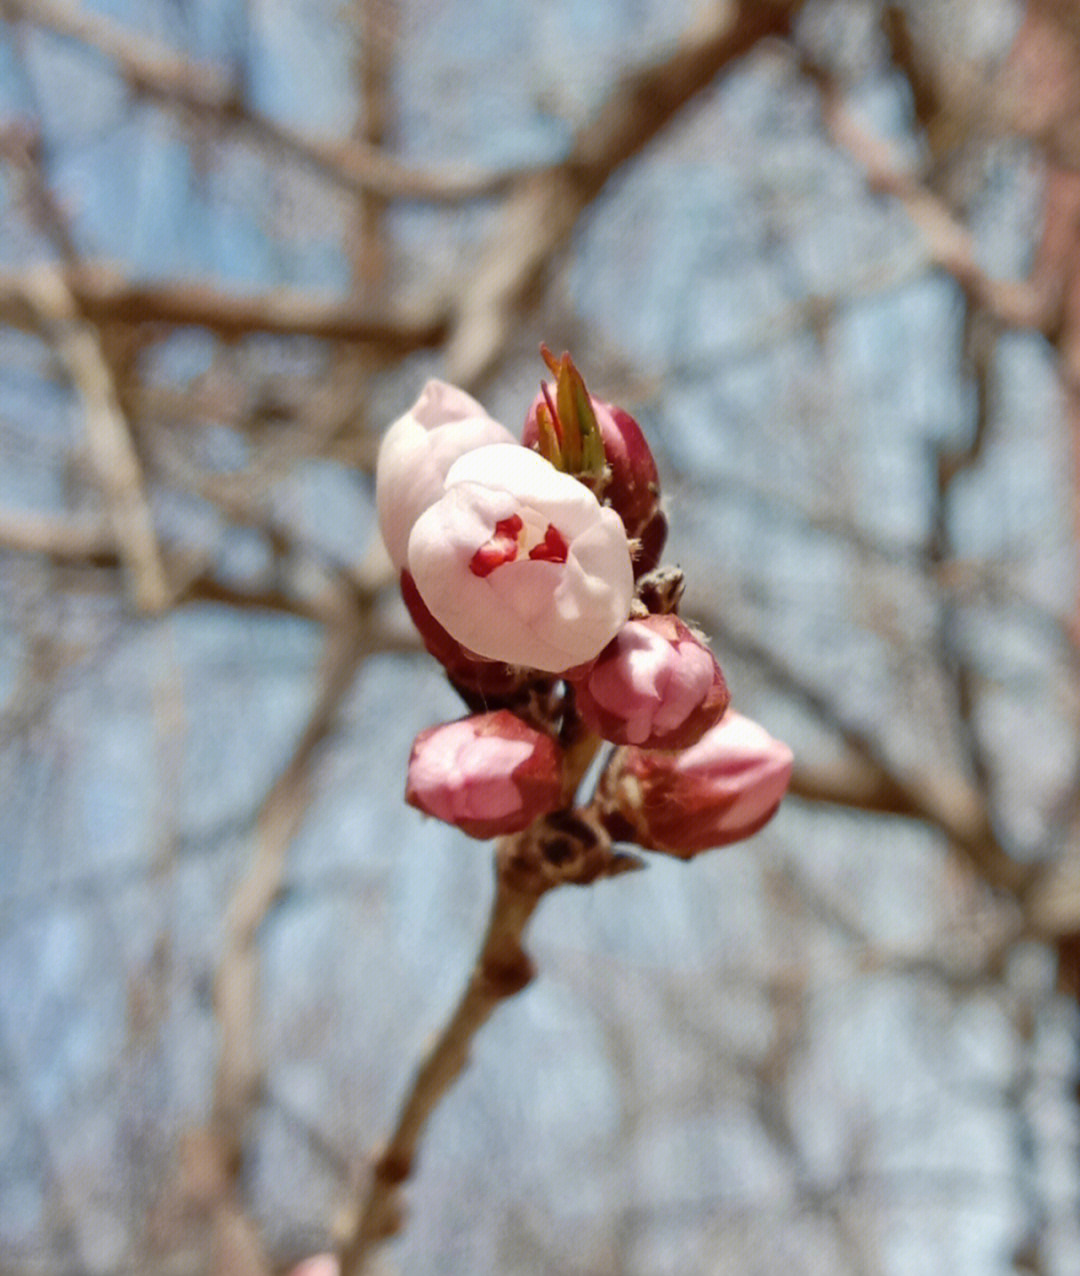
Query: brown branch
[(90, 543), (502, 969), (20, 146), (77, 543), (279, 818), (949, 805), (209, 92), (1036, 92), (374, 64), (564, 848), (909, 57), (105, 296), (60, 537), (544, 209), (239, 1073), (868, 781), (108, 435), (949, 243)]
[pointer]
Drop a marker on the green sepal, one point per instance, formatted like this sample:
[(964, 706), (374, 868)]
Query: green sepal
[(574, 420), (548, 441)]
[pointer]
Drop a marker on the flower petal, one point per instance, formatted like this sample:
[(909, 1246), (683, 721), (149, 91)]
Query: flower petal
[(418, 450)]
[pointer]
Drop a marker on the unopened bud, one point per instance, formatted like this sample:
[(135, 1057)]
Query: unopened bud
[(320, 1265), (724, 789), (487, 775), (655, 685), (632, 486)]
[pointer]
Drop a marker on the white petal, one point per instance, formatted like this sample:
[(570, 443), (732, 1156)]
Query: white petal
[(416, 453), (535, 483), (543, 615)]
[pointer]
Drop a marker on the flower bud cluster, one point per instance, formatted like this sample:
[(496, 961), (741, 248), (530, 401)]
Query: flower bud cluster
[(530, 570)]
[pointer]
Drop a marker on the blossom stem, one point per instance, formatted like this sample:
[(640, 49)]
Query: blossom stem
[(502, 969)]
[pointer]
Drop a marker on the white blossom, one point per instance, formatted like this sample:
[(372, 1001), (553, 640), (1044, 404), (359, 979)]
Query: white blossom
[(520, 562)]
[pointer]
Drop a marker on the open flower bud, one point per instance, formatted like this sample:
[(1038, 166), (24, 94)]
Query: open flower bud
[(722, 790), (654, 685), (487, 775), (521, 563), (416, 453)]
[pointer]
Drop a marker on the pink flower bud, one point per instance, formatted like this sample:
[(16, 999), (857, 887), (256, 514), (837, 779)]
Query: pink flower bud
[(487, 775), (633, 487), (654, 685), (521, 563), (486, 678), (722, 790), (320, 1265), (418, 450)]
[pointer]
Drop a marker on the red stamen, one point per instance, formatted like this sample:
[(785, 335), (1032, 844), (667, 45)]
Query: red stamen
[(552, 549), (502, 548)]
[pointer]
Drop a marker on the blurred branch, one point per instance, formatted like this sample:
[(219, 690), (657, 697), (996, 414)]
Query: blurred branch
[(239, 1075), (543, 210), (373, 72), (980, 351), (870, 782), (1036, 93), (502, 969), (105, 296), (1041, 303), (58, 536), (20, 146), (78, 542), (910, 58), (108, 435), (209, 92), (559, 849), (949, 243)]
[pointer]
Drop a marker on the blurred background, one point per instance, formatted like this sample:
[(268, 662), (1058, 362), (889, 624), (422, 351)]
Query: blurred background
[(829, 255)]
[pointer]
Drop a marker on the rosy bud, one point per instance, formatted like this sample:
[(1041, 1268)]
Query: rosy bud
[(521, 563), (487, 775), (654, 685), (320, 1265), (722, 790), (633, 486), (418, 450), (486, 678)]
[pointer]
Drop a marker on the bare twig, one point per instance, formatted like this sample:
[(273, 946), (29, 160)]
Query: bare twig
[(57, 536), (559, 849), (279, 818), (374, 20), (20, 146), (949, 243), (502, 969), (109, 437), (869, 782), (543, 209), (208, 91), (238, 1079), (105, 296)]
